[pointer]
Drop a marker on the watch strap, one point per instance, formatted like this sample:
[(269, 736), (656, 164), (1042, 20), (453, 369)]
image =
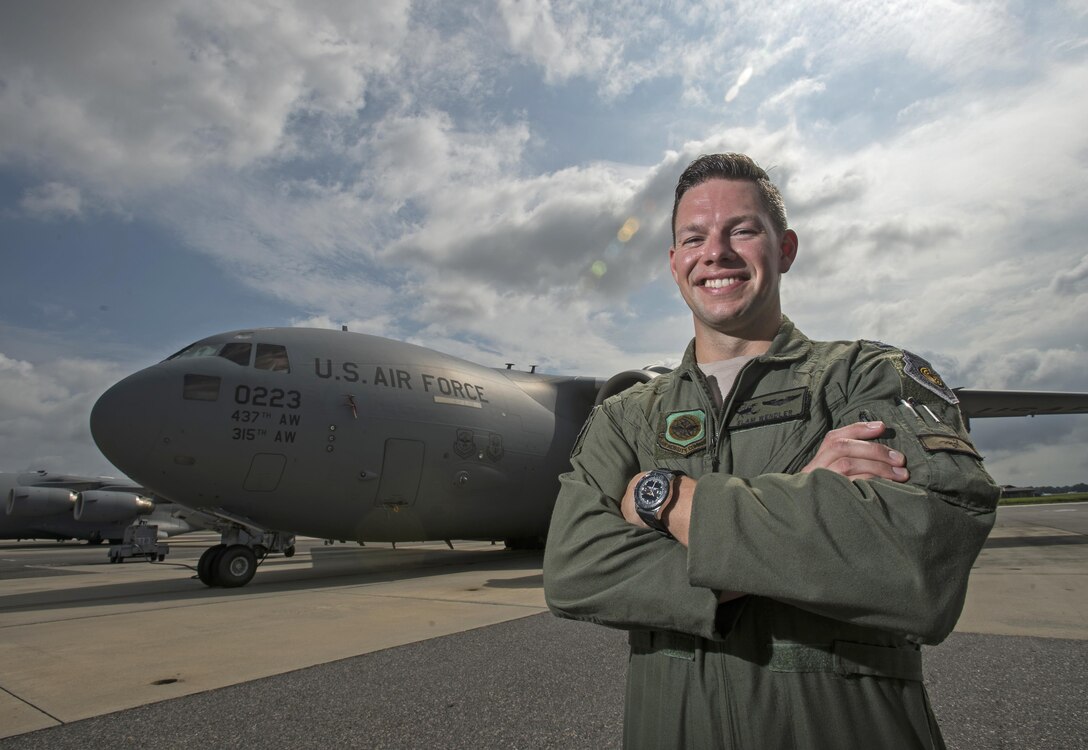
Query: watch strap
[(650, 518)]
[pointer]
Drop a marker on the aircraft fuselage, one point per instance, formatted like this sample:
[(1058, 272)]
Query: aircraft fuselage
[(346, 436)]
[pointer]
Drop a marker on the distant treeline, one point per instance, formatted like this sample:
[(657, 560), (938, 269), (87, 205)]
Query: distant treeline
[(1082, 487)]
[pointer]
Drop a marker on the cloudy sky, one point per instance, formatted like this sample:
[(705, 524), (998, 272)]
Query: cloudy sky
[(493, 179)]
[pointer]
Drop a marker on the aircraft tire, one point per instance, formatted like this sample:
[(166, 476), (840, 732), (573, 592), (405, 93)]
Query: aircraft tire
[(205, 569), (235, 566)]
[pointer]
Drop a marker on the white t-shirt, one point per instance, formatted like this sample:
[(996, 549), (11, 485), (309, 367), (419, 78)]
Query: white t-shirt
[(721, 375)]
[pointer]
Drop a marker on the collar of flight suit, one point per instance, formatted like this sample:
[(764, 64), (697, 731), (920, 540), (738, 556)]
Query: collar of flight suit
[(788, 345)]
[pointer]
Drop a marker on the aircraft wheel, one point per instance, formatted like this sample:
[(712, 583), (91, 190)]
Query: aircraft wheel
[(235, 566), (205, 569)]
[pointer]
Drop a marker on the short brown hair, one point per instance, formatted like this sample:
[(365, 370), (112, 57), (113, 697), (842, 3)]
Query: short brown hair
[(731, 167)]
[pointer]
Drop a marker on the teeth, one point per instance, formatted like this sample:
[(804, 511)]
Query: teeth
[(721, 283)]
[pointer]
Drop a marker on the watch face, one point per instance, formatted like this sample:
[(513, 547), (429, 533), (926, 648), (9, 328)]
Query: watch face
[(651, 491)]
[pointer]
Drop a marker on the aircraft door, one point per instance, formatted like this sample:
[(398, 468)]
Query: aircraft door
[(402, 469)]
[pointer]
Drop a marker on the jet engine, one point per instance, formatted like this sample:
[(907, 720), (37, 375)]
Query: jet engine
[(107, 506), (31, 502), (623, 380)]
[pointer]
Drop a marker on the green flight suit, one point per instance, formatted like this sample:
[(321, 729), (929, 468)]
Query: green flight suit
[(844, 579)]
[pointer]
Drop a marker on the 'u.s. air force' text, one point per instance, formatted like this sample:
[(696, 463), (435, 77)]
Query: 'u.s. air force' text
[(391, 377)]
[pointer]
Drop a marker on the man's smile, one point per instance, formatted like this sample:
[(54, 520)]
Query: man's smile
[(723, 282)]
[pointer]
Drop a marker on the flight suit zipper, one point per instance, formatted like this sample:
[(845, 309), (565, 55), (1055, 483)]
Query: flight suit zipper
[(703, 387), (720, 415)]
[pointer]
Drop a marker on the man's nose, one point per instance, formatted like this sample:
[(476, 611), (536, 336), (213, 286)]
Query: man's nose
[(718, 248)]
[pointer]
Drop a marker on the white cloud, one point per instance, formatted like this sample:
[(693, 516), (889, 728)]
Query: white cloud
[(563, 47), (957, 213), (421, 157), (787, 99), (708, 43), (52, 200), (45, 410), (1071, 281), (135, 95)]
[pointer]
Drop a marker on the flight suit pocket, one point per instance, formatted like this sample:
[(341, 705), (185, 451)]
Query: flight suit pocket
[(958, 465), (939, 457)]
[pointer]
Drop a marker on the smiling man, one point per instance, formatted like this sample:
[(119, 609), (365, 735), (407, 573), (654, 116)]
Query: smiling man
[(780, 523), (729, 252)]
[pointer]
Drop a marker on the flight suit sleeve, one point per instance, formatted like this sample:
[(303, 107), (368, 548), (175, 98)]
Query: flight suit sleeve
[(876, 553), (600, 568)]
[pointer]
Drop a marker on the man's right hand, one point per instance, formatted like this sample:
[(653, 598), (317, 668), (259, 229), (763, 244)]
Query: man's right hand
[(850, 451)]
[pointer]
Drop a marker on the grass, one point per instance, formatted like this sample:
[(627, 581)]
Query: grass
[(1069, 497)]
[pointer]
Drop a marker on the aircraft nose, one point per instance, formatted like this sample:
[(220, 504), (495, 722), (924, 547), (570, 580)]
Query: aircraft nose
[(127, 419)]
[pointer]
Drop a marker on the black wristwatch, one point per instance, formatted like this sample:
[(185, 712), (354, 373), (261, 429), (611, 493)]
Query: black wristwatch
[(653, 493)]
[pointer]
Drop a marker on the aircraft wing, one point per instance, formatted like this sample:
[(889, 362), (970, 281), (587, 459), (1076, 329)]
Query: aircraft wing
[(83, 505), (975, 403), (77, 483)]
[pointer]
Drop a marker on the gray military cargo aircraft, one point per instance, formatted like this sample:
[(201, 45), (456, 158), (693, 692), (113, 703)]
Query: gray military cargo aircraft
[(281, 431), (43, 505)]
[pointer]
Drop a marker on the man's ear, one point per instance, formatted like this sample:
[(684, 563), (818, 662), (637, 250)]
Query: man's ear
[(788, 250), (672, 268)]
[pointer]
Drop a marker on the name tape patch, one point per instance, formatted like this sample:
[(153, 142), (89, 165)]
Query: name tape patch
[(771, 408)]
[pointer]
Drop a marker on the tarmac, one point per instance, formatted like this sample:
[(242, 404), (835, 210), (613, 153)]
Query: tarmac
[(423, 646)]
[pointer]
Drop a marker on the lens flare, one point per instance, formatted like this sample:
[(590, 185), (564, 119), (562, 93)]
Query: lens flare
[(628, 230)]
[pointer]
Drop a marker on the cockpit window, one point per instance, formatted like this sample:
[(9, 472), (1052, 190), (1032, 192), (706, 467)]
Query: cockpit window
[(198, 349), (269, 356), (233, 351), (272, 357), (236, 353)]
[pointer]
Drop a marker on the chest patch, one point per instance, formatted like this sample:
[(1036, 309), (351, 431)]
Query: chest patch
[(771, 408), (684, 432)]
